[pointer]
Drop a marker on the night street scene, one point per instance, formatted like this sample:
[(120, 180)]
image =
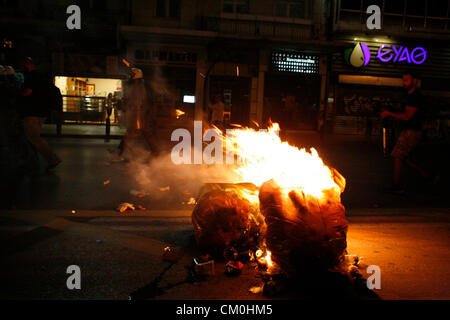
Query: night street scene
[(256, 153)]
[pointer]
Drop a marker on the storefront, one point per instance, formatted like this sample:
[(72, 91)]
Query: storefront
[(85, 81), (368, 76), (84, 99)]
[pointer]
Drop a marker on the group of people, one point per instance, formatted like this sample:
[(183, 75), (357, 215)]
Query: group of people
[(29, 98)]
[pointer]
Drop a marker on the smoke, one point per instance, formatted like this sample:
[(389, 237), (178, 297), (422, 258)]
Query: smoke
[(169, 183)]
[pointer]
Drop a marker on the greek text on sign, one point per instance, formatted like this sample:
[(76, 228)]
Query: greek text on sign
[(397, 54)]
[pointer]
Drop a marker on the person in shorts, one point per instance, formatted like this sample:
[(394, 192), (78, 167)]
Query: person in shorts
[(411, 122)]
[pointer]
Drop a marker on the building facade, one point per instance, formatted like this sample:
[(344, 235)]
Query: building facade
[(414, 37), (280, 60)]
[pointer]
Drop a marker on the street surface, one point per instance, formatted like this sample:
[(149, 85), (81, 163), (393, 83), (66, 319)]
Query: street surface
[(120, 254)]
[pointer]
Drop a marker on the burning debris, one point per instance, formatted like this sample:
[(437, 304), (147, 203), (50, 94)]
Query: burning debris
[(124, 206), (163, 189), (106, 182), (225, 217), (288, 212), (179, 113)]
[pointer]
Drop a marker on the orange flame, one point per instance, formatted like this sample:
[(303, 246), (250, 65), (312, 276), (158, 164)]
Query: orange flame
[(179, 113), (263, 156)]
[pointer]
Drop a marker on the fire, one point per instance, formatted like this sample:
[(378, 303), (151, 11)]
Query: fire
[(179, 113), (264, 260), (263, 156)]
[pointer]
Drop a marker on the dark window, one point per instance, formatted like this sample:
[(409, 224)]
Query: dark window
[(281, 9), (168, 8), (99, 5), (161, 8), (416, 8), (437, 8), (297, 10), (242, 6), (290, 8), (174, 8), (394, 6), (238, 6), (9, 3), (351, 4), (228, 6)]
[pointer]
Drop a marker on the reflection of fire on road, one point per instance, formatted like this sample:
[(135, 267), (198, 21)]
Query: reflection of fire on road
[(285, 207)]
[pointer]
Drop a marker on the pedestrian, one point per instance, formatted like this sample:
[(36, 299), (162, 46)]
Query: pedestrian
[(411, 119), (116, 107), (36, 107), (137, 114), (217, 111)]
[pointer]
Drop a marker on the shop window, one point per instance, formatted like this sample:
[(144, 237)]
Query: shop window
[(168, 8), (291, 9), (237, 6)]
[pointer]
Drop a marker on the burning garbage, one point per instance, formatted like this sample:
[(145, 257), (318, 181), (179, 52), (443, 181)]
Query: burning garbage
[(285, 207), (224, 216)]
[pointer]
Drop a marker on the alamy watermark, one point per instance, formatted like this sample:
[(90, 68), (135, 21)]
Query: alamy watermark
[(191, 151)]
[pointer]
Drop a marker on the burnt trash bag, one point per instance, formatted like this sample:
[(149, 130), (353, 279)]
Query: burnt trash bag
[(224, 216), (303, 233)]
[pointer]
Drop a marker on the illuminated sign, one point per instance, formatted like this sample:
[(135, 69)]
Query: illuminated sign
[(359, 56), (294, 62), (397, 54), (188, 99)]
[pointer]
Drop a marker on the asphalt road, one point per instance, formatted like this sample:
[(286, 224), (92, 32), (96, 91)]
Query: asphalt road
[(121, 254), (407, 237)]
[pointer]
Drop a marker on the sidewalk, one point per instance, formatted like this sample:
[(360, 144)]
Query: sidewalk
[(89, 130)]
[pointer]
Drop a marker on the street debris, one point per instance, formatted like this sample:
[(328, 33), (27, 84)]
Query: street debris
[(204, 269), (233, 268), (352, 259), (139, 207), (162, 189), (256, 289), (138, 193), (186, 193), (230, 253), (124, 206), (170, 255)]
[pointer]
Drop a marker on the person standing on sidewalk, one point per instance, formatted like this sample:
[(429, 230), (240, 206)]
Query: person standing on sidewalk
[(35, 108), (217, 111), (411, 120)]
